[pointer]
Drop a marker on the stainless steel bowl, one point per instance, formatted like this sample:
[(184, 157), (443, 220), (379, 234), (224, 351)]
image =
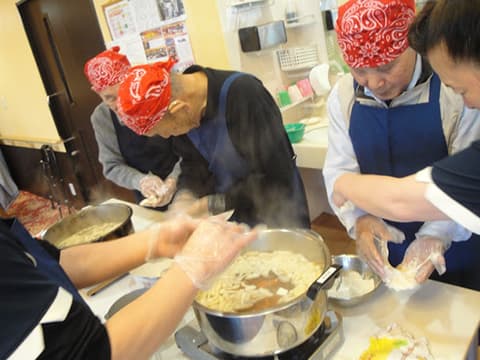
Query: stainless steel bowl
[(279, 328), (353, 263), (91, 216)]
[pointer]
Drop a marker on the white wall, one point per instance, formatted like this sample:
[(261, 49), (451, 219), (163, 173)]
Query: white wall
[(264, 64)]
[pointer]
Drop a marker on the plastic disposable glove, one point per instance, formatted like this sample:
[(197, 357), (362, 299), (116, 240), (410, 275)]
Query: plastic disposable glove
[(169, 237), (186, 203), (372, 235), (424, 255), (151, 185), (212, 246), (157, 192)]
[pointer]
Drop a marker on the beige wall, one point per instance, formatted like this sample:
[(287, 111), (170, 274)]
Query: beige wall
[(24, 112), (203, 24)]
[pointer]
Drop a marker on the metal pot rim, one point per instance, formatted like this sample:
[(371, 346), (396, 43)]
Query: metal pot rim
[(90, 208), (283, 306), (269, 310), (85, 212)]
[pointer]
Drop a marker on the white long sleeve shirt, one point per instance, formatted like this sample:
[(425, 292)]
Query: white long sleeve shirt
[(461, 126)]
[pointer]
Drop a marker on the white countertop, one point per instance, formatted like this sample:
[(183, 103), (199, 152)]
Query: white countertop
[(448, 316), (312, 149)]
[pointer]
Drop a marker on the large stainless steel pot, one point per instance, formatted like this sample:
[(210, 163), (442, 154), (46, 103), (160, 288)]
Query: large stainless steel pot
[(91, 216), (279, 328)]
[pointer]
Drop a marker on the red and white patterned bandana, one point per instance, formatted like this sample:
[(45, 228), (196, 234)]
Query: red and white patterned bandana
[(106, 69), (372, 33), (144, 96)]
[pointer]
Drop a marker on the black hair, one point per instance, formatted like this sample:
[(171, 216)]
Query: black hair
[(454, 23)]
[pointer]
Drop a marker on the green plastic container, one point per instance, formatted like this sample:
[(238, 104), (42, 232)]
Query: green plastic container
[(295, 132)]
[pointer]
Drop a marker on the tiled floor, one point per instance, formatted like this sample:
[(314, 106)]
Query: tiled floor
[(333, 234)]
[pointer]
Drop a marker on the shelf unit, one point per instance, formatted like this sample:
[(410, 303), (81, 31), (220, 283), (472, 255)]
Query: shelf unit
[(247, 4), (295, 104), (300, 21), (297, 58)]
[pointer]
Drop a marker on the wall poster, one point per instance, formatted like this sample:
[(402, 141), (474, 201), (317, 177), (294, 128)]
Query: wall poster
[(150, 30)]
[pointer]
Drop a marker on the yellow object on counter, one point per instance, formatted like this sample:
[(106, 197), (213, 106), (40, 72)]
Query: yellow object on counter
[(381, 348), (395, 343)]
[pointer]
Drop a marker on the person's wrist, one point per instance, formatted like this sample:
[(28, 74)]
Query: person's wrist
[(194, 268), (152, 241), (185, 278)]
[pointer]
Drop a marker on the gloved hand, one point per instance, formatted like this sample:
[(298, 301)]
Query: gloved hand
[(212, 246), (424, 255), (151, 185), (169, 237), (156, 191), (186, 203), (372, 235)]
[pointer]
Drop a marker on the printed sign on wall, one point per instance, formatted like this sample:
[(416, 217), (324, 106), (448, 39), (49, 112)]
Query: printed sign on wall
[(150, 30)]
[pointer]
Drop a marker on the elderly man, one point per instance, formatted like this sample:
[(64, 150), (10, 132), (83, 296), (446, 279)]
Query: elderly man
[(392, 116), (139, 163), (233, 121)]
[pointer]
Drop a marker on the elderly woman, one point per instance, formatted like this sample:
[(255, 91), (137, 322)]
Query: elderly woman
[(447, 32), (132, 161)]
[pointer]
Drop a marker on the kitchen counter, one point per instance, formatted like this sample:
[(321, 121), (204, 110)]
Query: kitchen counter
[(448, 316), (312, 149)]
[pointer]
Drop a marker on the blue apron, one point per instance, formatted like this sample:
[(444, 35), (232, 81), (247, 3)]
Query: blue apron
[(398, 142), (146, 154), (45, 263), (213, 142)]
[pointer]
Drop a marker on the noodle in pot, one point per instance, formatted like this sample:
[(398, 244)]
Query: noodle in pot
[(259, 280)]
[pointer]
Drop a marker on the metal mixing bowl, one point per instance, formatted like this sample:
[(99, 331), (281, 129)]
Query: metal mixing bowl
[(353, 263), (119, 214)]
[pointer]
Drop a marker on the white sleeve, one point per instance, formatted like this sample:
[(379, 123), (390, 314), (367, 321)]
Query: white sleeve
[(447, 230), (468, 130), (442, 201), (461, 125), (340, 159)]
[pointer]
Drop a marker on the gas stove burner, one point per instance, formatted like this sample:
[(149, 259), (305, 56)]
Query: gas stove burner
[(323, 343)]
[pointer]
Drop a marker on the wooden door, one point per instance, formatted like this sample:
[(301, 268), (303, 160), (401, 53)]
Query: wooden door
[(63, 35)]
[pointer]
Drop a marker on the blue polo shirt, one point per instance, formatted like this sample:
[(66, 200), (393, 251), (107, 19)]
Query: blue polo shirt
[(458, 176), (39, 318)]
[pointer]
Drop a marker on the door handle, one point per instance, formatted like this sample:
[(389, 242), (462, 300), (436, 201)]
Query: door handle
[(55, 94)]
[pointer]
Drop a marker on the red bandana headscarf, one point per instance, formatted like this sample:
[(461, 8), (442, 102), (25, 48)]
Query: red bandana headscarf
[(372, 33), (144, 96), (106, 69)]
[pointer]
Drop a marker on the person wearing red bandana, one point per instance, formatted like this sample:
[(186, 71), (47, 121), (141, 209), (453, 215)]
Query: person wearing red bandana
[(234, 122), (140, 163), (393, 116)]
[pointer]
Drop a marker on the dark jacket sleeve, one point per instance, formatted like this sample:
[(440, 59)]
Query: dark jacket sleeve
[(256, 129), (459, 177)]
